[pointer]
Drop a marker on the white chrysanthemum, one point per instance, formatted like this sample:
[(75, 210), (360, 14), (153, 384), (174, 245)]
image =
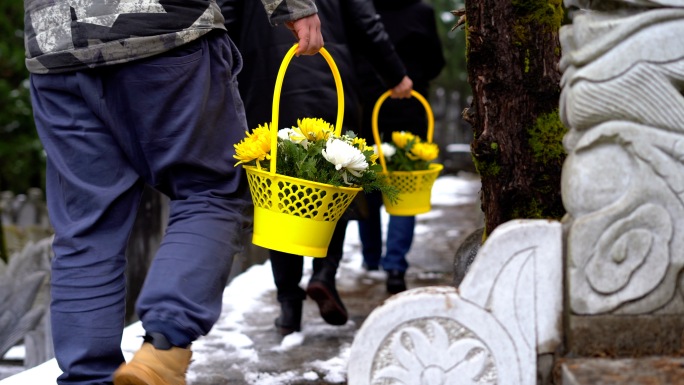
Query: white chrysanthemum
[(284, 133), (345, 157), (387, 150), (293, 136)]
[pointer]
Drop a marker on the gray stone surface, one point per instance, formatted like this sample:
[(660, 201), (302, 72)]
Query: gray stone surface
[(465, 255), (625, 336), (604, 371)]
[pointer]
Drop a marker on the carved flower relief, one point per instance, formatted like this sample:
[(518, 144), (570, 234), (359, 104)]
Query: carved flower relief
[(433, 352)]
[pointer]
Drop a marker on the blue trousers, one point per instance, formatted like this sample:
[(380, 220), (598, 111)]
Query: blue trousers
[(399, 237), (170, 122)]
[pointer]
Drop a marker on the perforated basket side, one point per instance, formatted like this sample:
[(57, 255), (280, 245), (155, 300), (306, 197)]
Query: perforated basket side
[(415, 181), (299, 197), (260, 187)]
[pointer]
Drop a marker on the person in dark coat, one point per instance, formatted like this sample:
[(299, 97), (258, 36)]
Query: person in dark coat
[(412, 28), (309, 91)]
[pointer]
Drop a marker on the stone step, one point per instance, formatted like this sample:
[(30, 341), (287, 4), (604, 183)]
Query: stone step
[(655, 370)]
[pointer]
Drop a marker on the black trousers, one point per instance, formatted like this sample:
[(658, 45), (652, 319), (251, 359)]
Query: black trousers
[(287, 268)]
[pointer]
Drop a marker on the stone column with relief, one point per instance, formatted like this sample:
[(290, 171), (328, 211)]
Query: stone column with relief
[(623, 180)]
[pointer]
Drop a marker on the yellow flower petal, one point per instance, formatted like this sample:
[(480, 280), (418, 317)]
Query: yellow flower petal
[(402, 138), (255, 146), (424, 151), (314, 128)]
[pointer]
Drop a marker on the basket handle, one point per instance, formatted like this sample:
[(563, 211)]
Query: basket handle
[(376, 112), (276, 99)]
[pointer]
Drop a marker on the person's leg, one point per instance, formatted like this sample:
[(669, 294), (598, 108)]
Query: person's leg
[(92, 196), (189, 115), (287, 273), (370, 232), (399, 240), (178, 115), (322, 287)]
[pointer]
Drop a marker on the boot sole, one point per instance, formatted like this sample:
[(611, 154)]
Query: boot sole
[(330, 309)]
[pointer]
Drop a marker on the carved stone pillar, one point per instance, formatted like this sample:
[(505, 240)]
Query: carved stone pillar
[(623, 179)]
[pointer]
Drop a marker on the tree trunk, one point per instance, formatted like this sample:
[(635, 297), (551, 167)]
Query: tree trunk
[(513, 52)]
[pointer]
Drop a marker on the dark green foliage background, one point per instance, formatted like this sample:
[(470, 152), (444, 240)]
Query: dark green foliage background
[(21, 156)]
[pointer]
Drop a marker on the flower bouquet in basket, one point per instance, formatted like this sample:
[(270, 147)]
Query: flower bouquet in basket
[(303, 178), (408, 152), (317, 175), (408, 162), (313, 152)]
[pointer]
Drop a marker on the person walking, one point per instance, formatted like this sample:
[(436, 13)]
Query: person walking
[(125, 94), (350, 28), (412, 29)]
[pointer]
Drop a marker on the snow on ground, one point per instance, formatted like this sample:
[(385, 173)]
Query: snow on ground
[(246, 294)]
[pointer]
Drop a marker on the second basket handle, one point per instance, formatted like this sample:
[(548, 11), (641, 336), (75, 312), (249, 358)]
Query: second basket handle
[(276, 99), (376, 112)]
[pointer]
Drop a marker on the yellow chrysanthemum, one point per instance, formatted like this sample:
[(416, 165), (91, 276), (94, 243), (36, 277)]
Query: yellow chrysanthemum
[(424, 151), (402, 138), (256, 146), (314, 129), (361, 144), (374, 158)]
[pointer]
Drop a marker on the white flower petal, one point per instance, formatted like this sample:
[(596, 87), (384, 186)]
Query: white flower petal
[(284, 133), (345, 156), (387, 149)]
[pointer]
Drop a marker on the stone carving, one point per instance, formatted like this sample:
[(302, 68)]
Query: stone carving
[(23, 218), (431, 350), (623, 180), (489, 331), (24, 297)]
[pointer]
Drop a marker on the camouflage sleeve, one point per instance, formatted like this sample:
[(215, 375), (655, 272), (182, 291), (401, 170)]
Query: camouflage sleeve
[(281, 11)]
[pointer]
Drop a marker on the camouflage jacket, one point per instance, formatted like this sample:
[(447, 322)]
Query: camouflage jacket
[(70, 35)]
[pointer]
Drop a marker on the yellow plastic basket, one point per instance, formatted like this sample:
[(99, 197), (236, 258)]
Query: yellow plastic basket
[(415, 187), (295, 215)]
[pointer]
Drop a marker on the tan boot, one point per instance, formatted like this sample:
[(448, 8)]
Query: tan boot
[(151, 366)]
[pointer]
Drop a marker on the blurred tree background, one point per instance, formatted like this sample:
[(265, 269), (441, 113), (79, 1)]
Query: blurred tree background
[(21, 156), (22, 161), (454, 77)]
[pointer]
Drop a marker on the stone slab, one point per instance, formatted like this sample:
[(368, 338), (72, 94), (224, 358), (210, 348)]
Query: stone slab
[(625, 336), (644, 371)]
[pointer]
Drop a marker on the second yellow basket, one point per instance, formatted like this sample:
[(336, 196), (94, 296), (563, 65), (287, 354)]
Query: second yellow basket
[(415, 187)]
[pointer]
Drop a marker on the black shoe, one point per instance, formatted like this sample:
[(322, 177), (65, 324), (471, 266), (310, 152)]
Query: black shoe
[(370, 268), (395, 282), (290, 319), (329, 303)]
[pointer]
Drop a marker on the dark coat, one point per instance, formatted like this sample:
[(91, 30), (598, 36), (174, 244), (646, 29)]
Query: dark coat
[(308, 88), (412, 27)]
